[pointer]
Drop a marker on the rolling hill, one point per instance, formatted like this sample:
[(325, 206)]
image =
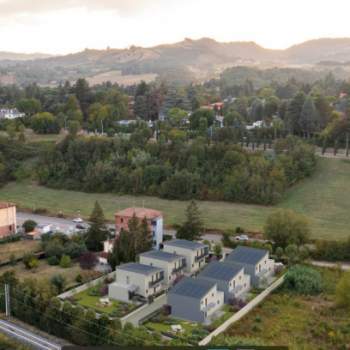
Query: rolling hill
[(192, 59)]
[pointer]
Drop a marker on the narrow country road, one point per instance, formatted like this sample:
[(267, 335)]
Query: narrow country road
[(26, 337), (343, 266)]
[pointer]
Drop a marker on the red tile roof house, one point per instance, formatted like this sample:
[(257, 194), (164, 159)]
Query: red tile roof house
[(8, 222), (154, 219)]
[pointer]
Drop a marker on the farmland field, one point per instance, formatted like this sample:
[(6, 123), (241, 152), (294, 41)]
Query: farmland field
[(324, 199), (115, 76)]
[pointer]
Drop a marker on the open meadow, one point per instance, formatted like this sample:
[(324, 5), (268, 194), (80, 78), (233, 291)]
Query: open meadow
[(324, 199)]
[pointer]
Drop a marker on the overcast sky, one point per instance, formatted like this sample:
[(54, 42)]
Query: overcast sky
[(62, 26)]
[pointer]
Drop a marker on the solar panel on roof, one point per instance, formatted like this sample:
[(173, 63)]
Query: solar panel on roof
[(247, 255), (220, 271), (193, 288)]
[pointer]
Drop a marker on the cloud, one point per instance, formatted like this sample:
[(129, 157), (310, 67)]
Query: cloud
[(24, 7)]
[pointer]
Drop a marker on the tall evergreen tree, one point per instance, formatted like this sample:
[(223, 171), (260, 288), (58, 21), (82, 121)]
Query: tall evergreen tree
[(193, 226), (294, 112), (308, 117), (97, 232)]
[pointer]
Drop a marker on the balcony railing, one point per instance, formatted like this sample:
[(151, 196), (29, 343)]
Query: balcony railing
[(202, 255), (156, 281), (179, 268)]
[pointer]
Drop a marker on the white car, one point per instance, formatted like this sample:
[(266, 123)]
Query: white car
[(78, 220), (242, 238)]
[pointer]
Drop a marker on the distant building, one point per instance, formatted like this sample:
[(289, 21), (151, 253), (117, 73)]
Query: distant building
[(126, 122), (154, 219), (10, 114), (195, 299), (8, 221), (194, 252), (172, 264), (257, 125), (256, 263), (135, 279)]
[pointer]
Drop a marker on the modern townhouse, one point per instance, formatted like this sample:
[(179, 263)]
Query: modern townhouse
[(172, 264), (194, 252), (136, 279), (256, 263), (229, 277), (195, 299)]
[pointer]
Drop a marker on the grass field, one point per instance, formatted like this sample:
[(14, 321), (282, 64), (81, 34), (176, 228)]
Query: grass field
[(44, 272), (300, 322), (18, 249), (323, 198)]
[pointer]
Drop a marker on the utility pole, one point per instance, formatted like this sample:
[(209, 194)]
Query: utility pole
[(7, 300)]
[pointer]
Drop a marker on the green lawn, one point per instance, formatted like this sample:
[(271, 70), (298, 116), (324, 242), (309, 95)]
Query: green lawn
[(116, 308), (324, 199)]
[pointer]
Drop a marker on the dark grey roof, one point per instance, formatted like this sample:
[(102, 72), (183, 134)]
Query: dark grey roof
[(221, 271), (160, 255), (182, 243), (139, 268), (192, 287), (246, 255)]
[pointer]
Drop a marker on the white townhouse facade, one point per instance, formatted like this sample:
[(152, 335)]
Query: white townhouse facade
[(195, 253)]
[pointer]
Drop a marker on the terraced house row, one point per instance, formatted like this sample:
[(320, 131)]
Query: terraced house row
[(196, 291)]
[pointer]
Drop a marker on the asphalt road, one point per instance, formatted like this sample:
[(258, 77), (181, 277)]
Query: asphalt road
[(26, 337)]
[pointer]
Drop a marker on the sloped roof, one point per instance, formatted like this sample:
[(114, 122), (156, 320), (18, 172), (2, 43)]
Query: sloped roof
[(192, 287), (160, 255), (140, 213), (182, 243), (246, 255), (139, 268), (4, 205), (221, 271)]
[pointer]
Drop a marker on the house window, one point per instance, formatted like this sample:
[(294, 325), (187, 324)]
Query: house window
[(146, 291), (218, 302), (212, 294), (121, 220), (234, 284), (169, 278)]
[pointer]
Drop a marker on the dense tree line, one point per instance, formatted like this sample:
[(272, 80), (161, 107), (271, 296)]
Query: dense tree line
[(174, 170)]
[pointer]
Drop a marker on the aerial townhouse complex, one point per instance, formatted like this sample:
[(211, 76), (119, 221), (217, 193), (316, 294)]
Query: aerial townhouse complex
[(195, 289)]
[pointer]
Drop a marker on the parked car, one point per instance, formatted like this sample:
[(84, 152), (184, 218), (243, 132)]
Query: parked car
[(80, 227), (78, 220), (242, 238)]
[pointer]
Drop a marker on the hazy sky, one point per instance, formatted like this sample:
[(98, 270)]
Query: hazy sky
[(62, 26)]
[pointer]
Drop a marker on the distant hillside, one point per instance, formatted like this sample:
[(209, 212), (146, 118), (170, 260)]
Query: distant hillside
[(11, 56), (187, 60)]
